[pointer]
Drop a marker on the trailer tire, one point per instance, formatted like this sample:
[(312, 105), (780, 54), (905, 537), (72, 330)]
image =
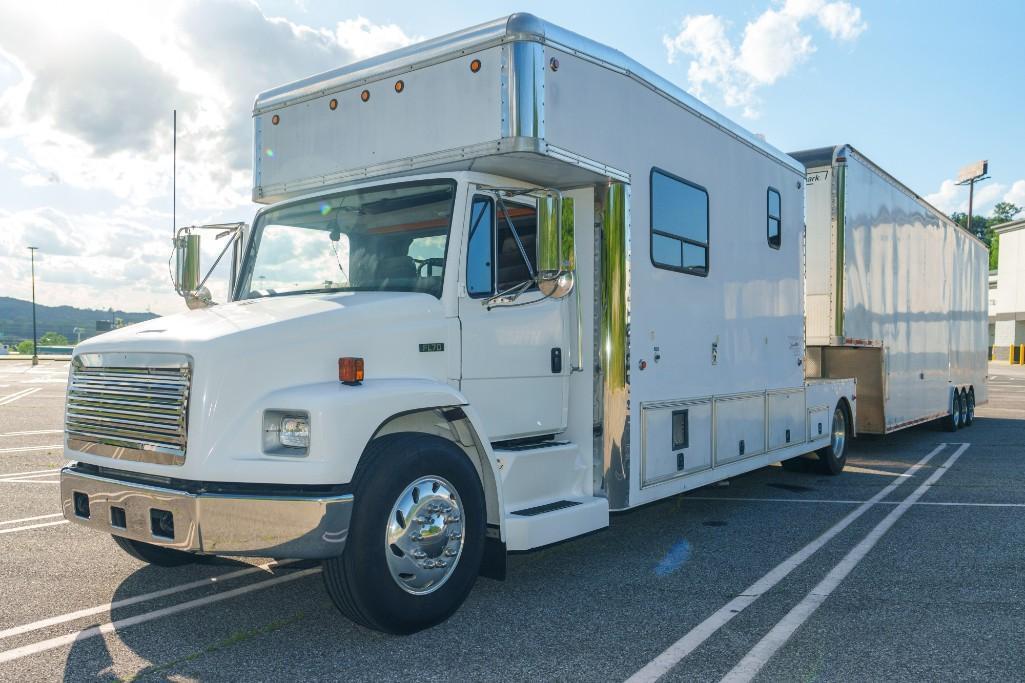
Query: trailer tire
[(402, 479), (833, 457), (154, 554), (969, 406), (953, 421)]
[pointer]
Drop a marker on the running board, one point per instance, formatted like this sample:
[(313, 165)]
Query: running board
[(555, 521)]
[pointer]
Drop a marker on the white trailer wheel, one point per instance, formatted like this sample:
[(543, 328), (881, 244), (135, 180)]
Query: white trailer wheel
[(969, 406)]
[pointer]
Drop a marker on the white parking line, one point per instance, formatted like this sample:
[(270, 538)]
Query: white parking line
[(7, 475), (672, 656), (110, 627), (33, 432), (32, 526), (144, 597), (840, 501), (28, 449), (30, 481), (760, 654), (11, 398), (31, 519)]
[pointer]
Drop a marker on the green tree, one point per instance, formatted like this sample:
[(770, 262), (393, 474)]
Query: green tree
[(1004, 212), (25, 347), (53, 339)]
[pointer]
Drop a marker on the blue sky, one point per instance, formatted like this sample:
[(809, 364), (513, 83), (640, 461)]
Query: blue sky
[(86, 92)]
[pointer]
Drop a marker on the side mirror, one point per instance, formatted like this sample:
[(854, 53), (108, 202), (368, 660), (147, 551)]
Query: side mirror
[(556, 257), (186, 272), (187, 280)]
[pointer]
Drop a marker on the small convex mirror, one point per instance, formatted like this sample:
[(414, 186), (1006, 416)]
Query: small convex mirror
[(555, 251)]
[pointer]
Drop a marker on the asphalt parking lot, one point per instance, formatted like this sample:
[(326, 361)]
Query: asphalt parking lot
[(909, 566)]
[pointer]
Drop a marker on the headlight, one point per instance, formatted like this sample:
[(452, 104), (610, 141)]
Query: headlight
[(295, 432), (286, 432)]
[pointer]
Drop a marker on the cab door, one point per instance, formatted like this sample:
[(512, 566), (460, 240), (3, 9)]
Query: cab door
[(515, 341)]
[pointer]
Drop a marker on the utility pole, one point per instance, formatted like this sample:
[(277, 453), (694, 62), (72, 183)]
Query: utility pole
[(35, 337), (969, 175)]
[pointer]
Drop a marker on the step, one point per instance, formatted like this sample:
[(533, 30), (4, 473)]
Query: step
[(554, 521), (534, 475)]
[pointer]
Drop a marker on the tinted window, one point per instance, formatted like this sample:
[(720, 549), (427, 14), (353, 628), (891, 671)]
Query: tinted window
[(480, 251), (511, 268), (774, 226), (679, 224)]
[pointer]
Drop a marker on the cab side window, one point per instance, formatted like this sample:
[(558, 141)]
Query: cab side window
[(480, 250), (495, 251)]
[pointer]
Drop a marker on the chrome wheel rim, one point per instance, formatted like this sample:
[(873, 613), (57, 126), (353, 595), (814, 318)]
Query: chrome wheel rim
[(839, 438), (956, 410), (970, 401), (424, 538)]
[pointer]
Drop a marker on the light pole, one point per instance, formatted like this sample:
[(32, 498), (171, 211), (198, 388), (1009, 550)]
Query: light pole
[(35, 338)]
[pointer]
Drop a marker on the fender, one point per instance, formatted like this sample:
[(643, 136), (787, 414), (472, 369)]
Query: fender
[(344, 419)]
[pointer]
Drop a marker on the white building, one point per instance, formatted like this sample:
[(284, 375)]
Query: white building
[(1009, 313)]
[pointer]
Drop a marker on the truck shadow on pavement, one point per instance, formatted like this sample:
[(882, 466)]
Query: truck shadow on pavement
[(656, 572)]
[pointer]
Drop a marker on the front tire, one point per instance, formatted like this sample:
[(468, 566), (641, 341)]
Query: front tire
[(154, 554), (416, 536), (833, 457)]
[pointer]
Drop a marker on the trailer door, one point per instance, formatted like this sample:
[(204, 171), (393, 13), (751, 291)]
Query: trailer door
[(515, 347)]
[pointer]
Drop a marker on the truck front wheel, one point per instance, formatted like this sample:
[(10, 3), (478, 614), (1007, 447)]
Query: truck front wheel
[(154, 554), (416, 536)]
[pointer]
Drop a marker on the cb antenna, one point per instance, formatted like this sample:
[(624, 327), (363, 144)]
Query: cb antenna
[(174, 170)]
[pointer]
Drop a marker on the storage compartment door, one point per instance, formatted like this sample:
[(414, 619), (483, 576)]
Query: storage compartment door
[(739, 428), (676, 439), (786, 418), (819, 423)]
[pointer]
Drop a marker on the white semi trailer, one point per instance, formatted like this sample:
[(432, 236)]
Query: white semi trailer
[(506, 281), (896, 295)]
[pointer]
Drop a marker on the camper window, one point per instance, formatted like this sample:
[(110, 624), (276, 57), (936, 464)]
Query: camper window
[(775, 221), (679, 224)]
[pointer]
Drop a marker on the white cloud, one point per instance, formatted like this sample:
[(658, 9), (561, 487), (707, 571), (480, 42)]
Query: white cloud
[(772, 45), (1016, 195), (86, 93), (951, 197)]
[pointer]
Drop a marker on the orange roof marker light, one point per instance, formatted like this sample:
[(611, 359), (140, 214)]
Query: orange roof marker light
[(400, 86), (333, 104), (365, 95), (275, 119), (475, 66), (350, 370)]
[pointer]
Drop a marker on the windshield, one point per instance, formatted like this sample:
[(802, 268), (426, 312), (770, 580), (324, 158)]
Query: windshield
[(385, 238)]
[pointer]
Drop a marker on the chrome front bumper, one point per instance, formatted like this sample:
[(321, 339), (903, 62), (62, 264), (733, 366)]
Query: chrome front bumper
[(208, 523)]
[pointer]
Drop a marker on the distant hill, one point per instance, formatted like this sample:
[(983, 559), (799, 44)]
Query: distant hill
[(16, 320)]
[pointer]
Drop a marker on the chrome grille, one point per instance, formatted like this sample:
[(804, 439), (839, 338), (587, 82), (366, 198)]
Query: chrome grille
[(120, 410)]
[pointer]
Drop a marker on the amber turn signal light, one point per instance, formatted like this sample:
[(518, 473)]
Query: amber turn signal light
[(350, 370)]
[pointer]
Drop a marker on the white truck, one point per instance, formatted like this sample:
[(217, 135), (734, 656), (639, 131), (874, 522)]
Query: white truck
[(896, 295), (506, 281)]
